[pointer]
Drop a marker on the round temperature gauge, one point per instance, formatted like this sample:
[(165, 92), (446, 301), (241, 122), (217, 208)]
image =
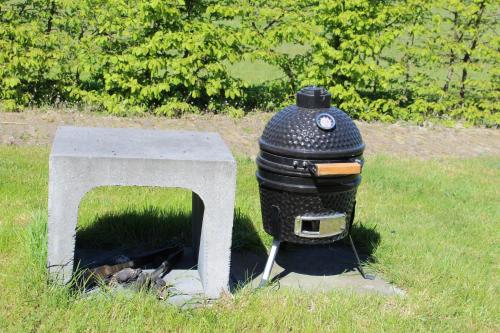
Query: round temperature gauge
[(325, 121)]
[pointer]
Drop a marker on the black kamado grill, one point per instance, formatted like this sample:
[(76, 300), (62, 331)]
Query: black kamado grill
[(309, 169)]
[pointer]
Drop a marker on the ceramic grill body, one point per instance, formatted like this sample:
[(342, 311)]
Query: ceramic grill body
[(309, 169)]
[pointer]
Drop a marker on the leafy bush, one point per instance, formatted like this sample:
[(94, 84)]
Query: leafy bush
[(451, 60), (381, 60), (33, 68)]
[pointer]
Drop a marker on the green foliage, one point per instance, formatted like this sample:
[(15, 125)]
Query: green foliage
[(381, 60), (346, 54), (150, 52), (175, 108), (33, 66), (123, 55), (451, 59), (234, 112)]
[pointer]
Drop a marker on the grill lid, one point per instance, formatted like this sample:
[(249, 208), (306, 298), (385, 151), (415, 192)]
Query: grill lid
[(312, 129)]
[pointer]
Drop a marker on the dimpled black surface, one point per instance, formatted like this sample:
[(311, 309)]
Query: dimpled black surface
[(290, 205), (293, 131)]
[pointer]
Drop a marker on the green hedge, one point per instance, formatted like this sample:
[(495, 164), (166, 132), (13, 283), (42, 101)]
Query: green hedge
[(381, 60)]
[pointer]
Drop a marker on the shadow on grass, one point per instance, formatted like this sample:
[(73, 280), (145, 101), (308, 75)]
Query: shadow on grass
[(151, 226), (133, 232), (366, 239), (307, 260), (329, 259)]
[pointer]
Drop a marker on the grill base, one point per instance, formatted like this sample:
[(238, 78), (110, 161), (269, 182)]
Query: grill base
[(280, 209)]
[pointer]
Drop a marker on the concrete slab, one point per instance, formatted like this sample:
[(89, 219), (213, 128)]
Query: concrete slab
[(308, 268), (84, 158), (305, 268)]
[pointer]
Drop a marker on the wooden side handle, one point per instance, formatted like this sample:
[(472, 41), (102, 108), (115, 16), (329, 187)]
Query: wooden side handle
[(331, 169)]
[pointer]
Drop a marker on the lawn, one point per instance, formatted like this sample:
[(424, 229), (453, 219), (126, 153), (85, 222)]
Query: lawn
[(436, 226)]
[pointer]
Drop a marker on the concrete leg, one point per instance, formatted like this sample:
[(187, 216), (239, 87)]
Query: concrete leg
[(197, 212), (215, 245), (63, 216)]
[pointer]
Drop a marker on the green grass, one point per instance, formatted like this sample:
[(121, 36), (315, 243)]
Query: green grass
[(255, 72), (258, 71), (437, 222)]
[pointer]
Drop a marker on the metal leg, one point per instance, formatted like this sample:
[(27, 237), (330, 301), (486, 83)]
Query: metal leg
[(270, 262), (360, 268)]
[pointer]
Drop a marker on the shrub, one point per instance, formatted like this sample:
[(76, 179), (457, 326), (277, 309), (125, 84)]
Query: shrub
[(381, 60)]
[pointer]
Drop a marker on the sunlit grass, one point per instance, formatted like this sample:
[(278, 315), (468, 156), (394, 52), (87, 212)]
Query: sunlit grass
[(438, 228)]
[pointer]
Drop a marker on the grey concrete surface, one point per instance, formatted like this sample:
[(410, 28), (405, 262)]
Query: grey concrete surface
[(308, 268), (84, 158), (299, 267)]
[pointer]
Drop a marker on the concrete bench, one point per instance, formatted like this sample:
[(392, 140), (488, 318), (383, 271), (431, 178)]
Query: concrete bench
[(84, 158)]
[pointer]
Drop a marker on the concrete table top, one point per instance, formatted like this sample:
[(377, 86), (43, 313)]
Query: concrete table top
[(140, 144)]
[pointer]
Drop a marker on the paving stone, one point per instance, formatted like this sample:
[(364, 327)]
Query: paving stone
[(309, 268)]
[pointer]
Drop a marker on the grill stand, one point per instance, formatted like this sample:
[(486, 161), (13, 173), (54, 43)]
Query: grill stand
[(270, 262), (360, 268), (274, 251)]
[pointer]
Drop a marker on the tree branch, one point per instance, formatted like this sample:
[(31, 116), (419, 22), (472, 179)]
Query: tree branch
[(467, 57)]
